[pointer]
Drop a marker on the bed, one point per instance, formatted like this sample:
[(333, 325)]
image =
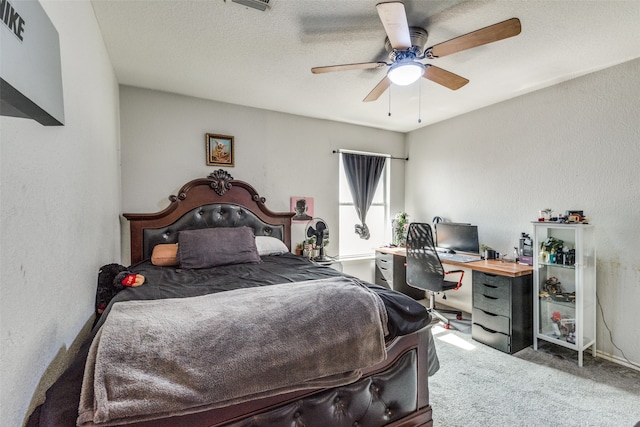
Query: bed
[(292, 354)]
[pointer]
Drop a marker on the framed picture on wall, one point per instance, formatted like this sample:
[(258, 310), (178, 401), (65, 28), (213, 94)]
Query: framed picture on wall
[(219, 150), (303, 208)]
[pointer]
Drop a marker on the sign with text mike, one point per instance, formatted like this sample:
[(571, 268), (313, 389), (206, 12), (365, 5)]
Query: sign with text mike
[(30, 67)]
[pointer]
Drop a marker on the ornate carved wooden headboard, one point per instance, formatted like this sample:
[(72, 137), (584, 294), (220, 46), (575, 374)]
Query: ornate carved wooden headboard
[(215, 201)]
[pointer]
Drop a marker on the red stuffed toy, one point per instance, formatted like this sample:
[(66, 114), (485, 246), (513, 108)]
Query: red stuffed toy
[(112, 278)]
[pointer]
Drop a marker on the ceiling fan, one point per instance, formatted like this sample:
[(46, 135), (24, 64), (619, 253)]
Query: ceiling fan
[(405, 45)]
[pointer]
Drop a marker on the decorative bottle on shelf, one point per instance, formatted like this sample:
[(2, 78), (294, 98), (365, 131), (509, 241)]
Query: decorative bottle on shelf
[(552, 256), (544, 255)]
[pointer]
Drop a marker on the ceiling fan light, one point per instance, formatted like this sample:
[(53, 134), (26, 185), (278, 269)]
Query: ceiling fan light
[(405, 73)]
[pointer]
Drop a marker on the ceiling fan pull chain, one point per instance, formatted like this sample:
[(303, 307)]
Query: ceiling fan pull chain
[(419, 101), (389, 102)]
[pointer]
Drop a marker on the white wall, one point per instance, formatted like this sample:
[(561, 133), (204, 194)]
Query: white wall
[(281, 155), (571, 146), (60, 199)]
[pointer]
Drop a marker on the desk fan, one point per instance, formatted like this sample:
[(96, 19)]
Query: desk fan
[(319, 229)]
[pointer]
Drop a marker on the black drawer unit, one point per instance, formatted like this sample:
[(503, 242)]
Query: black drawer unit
[(391, 273), (502, 311)]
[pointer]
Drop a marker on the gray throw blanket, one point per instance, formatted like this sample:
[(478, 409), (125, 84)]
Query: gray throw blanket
[(159, 358)]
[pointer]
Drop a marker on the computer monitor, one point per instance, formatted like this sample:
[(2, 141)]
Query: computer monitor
[(457, 236)]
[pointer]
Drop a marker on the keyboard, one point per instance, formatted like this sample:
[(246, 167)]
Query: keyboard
[(458, 257)]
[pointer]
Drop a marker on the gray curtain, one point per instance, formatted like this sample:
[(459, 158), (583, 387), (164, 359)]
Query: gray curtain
[(363, 174)]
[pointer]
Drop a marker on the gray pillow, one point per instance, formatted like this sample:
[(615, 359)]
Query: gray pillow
[(211, 247)]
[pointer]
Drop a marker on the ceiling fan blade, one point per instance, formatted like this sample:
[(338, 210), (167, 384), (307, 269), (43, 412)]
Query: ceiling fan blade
[(345, 67), (444, 77), (394, 20), (378, 90), (502, 30)]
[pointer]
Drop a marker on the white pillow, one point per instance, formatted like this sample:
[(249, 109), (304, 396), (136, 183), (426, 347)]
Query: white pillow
[(270, 246)]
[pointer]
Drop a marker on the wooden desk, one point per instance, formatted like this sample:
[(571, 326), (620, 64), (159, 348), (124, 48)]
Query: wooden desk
[(510, 269), (502, 296)]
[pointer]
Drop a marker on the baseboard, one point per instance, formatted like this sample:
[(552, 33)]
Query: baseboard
[(619, 360)]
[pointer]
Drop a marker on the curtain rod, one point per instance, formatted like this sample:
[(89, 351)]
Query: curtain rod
[(389, 156)]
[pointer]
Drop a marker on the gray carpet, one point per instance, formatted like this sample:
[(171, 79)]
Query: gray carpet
[(483, 386)]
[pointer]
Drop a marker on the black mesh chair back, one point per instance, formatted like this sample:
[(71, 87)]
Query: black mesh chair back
[(424, 269)]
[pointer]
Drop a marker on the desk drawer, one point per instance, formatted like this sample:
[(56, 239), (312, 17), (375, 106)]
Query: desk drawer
[(384, 274), (492, 293), (492, 285), (491, 321), (382, 280), (491, 304), (382, 259), (492, 338)]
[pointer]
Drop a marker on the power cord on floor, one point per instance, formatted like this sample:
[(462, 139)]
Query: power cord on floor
[(611, 334)]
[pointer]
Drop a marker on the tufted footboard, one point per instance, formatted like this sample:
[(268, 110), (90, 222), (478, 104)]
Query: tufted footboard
[(373, 401), (393, 393)]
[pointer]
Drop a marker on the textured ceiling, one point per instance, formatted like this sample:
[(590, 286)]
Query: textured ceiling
[(220, 50)]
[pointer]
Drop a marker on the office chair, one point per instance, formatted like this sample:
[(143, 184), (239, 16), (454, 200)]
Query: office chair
[(425, 271)]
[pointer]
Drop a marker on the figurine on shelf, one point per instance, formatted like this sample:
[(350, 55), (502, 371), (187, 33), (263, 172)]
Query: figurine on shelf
[(544, 215), (558, 328), (564, 327), (552, 285)]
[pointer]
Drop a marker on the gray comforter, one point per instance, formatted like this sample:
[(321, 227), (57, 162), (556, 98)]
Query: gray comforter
[(62, 400), (157, 358)]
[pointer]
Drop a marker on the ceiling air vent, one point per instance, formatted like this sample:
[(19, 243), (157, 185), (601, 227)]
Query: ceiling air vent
[(256, 4)]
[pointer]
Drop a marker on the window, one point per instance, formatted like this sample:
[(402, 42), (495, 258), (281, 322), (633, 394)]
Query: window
[(350, 244)]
